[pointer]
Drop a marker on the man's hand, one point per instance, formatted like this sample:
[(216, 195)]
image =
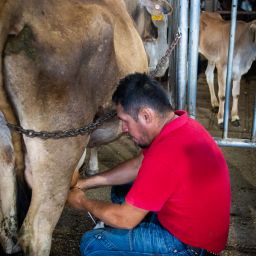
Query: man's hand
[(81, 183), (75, 198), (115, 215)]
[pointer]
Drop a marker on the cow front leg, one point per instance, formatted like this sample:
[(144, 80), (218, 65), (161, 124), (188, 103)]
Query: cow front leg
[(209, 72), (51, 164), (8, 213), (235, 120), (93, 162), (222, 73)]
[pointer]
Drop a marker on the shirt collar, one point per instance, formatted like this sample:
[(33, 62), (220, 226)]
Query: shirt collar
[(172, 125)]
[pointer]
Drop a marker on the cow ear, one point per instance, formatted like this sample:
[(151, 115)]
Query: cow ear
[(157, 7), (252, 31)]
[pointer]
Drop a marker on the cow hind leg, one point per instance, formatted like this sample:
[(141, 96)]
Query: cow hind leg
[(8, 213), (221, 93), (210, 81), (235, 120), (52, 169), (93, 162)]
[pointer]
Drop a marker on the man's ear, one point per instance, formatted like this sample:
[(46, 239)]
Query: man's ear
[(146, 115)]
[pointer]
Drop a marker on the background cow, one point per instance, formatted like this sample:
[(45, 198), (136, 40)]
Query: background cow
[(151, 21), (62, 61), (213, 44)]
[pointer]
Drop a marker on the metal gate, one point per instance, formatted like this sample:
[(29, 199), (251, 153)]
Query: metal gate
[(184, 65)]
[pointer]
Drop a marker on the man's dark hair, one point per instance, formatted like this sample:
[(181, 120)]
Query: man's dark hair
[(136, 91)]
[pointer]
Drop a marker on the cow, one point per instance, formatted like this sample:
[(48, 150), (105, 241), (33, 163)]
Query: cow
[(151, 21), (157, 48), (213, 44), (61, 61)]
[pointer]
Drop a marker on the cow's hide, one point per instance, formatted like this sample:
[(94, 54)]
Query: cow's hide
[(62, 61)]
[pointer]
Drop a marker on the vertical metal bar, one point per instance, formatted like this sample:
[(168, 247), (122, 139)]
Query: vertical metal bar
[(215, 5), (182, 54), (229, 66), (254, 121), (193, 55), (172, 73)]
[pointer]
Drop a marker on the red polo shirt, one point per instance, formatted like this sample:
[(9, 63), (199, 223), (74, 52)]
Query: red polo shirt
[(185, 179)]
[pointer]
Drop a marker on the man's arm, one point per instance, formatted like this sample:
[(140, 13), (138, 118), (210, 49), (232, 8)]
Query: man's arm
[(115, 215), (121, 174)]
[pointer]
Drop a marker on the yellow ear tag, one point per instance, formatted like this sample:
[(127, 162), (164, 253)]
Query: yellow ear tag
[(157, 17)]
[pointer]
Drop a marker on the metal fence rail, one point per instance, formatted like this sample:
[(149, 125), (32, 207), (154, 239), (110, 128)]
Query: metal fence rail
[(187, 63)]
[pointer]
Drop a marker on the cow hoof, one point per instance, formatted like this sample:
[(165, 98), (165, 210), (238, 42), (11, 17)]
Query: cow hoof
[(215, 109), (236, 123), (221, 126), (20, 253), (15, 254)]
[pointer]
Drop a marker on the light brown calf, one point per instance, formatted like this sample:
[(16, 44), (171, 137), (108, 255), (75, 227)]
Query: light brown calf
[(214, 42)]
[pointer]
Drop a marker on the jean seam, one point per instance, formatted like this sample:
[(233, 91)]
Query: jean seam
[(88, 244), (130, 240), (106, 243)]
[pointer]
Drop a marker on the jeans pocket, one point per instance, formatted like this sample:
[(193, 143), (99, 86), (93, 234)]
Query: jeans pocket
[(95, 240)]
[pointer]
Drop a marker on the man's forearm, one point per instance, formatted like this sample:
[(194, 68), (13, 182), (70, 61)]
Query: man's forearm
[(114, 215), (104, 211), (123, 173)]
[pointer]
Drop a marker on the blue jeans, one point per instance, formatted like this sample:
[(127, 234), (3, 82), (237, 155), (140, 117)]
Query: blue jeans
[(148, 238)]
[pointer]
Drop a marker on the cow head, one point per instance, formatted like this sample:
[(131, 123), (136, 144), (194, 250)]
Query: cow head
[(157, 11), (252, 30), (157, 8)]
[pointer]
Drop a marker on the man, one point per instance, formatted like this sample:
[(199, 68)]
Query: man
[(181, 176)]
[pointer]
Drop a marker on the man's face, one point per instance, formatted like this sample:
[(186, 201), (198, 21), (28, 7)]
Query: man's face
[(138, 130)]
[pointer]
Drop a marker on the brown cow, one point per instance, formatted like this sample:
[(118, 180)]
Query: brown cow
[(214, 42), (150, 19), (62, 61)]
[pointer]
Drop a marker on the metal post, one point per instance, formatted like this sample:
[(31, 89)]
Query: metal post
[(172, 73), (229, 66), (215, 5), (254, 121), (182, 54), (193, 55)]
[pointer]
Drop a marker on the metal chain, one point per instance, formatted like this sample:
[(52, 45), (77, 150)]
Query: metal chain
[(65, 133), (94, 125), (168, 53)]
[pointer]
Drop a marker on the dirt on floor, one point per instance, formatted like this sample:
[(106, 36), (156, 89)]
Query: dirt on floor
[(242, 166)]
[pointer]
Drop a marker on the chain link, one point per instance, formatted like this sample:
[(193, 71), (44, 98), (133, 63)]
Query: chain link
[(168, 53), (65, 133), (94, 125)]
